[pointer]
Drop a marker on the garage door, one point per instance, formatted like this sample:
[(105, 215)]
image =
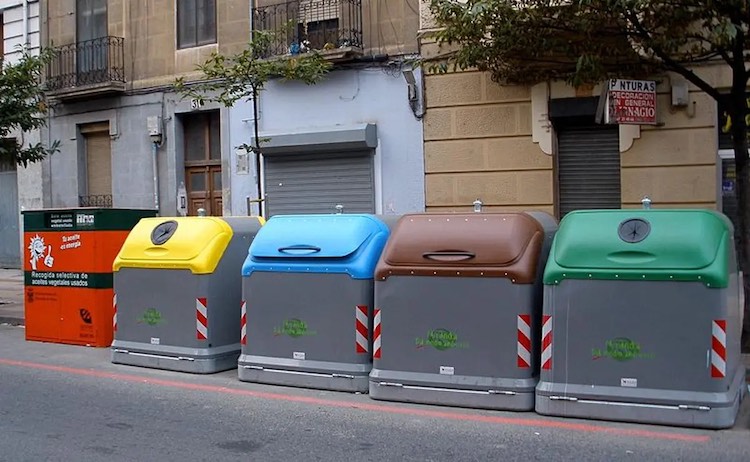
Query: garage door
[(10, 253), (588, 168), (296, 184)]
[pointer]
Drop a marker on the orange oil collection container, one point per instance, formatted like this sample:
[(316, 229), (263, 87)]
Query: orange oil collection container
[(68, 256)]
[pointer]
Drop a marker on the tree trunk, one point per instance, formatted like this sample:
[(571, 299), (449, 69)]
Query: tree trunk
[(737, 111)]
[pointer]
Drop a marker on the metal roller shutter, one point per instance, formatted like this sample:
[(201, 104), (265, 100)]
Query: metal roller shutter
[(316, 184), (588, 168)]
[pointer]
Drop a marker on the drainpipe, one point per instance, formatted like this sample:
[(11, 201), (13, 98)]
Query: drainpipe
[(155, 166), (25, 23)]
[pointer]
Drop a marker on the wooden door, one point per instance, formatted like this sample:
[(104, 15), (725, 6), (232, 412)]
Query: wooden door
[(204, 190)]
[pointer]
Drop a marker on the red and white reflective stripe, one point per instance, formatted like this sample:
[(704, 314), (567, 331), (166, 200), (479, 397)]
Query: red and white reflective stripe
[(114, 315), (201, 319), (362, 332), (243, 323), (376, 335), (546, 342), (719, 348), (524, 341)]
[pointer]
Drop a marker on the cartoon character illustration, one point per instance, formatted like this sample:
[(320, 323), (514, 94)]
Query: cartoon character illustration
[(36, 250)]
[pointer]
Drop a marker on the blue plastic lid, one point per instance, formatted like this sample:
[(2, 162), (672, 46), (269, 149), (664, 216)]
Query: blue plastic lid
[(349, 244)]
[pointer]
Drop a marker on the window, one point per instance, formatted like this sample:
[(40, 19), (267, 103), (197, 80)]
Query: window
[(319, 23), (202, 137), (98, 165), (196, 23), (91, 27), (91, 19)]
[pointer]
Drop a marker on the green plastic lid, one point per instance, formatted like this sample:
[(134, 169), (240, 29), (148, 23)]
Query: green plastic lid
[(656, 245)]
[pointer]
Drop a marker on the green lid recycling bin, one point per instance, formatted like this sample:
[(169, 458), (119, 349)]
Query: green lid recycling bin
[(641, 319)]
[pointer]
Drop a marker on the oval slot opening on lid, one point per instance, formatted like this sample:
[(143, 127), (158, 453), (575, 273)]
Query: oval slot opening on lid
[(449, 255), (156, 251), (300, 249), (629, 257)]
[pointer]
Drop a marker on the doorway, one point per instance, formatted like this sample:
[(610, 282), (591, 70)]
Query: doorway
[(202, 137)]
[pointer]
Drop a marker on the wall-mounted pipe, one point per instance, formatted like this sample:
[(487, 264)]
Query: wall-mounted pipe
[(25, 23), (155, 166)]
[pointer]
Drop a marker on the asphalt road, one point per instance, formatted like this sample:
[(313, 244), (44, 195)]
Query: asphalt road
[(65, 403)]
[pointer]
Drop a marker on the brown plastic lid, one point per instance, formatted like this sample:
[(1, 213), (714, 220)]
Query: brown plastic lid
[(464, 244)]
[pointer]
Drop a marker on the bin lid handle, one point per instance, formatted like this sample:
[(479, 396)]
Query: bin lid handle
[(296, 249), (449, 255)]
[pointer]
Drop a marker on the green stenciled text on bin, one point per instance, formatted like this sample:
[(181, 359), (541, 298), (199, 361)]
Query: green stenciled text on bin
[(293, 328), (151, 316), (621, 349), (440, 339)]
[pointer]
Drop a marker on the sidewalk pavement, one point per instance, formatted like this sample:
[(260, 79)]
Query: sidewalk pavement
[(11, 297)]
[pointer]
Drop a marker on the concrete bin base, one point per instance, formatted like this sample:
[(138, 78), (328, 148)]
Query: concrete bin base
[(197, 361), (347, 377), (483, 393), (693, 413)]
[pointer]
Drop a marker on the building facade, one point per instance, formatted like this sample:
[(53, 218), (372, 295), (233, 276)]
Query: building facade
[(354, 139), (19, 187), (127, 140), (540, 147)]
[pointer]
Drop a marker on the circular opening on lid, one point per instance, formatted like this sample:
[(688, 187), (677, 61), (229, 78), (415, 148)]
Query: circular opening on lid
[(162, 232), (634, 230)]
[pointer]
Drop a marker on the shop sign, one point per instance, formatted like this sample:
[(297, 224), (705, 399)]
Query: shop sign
[(631, 102)]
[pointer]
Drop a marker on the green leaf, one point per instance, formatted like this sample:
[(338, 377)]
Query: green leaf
[(23, 106)]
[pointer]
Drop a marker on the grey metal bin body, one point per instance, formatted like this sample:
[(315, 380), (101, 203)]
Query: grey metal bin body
[(178, 302), (646, 329), (458, 305), (308, 291)]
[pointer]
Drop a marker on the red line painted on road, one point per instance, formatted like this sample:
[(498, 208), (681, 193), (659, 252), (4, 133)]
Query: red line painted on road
[(524, 422)]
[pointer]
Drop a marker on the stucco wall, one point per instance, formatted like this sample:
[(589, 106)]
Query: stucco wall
[(478, 144), (496, 143), (149, 29), (132, 173), (344, 98), (131, 148)]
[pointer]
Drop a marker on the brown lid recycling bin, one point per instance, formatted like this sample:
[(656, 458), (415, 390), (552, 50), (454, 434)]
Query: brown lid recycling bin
[(499, 245), (457, 301)]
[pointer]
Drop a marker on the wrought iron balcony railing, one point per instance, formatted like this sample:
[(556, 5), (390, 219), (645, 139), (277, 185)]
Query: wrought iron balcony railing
[(299, 26), (92, 62)]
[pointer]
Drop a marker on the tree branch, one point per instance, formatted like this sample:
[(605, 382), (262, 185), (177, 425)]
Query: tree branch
[(670, 63)]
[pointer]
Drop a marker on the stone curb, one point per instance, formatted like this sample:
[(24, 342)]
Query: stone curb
[(13, 321)]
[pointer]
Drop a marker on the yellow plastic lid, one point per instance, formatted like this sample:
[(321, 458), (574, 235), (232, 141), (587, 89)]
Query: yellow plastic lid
[(193, 243)]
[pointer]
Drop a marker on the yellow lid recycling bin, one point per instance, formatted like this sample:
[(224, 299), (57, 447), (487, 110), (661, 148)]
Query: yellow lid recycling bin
[(178, 290)]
